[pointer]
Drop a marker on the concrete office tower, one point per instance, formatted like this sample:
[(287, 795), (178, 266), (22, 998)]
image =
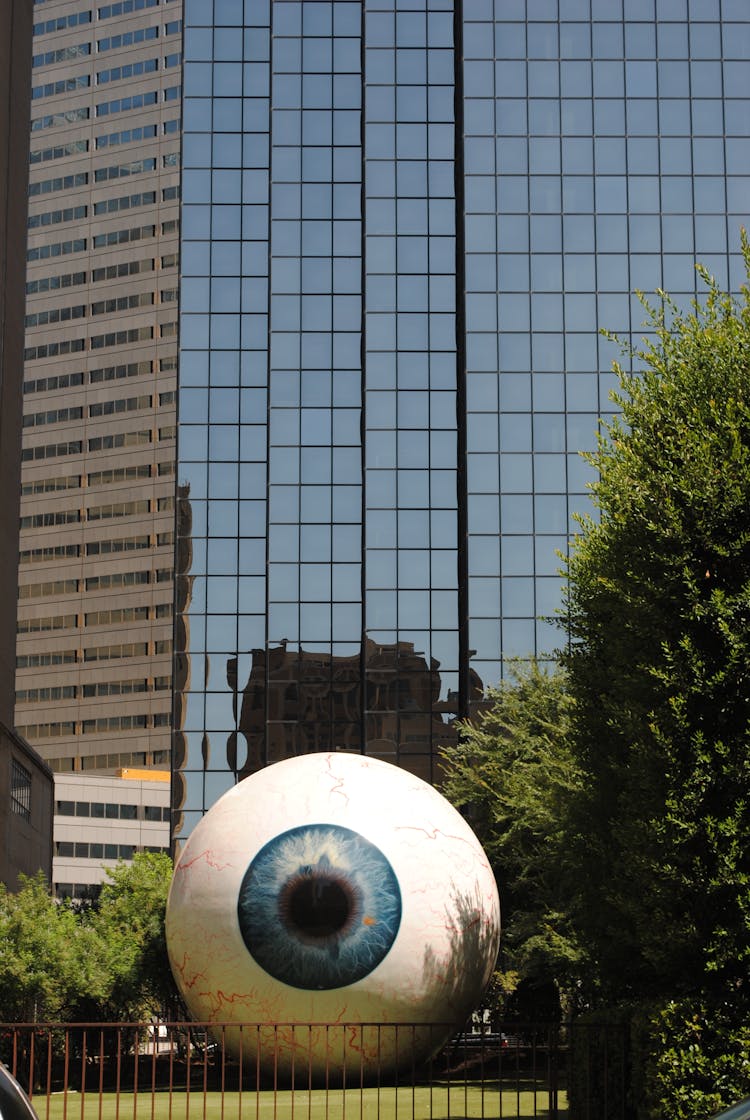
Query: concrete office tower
[(404, 222), (96, 588), (25, 781)]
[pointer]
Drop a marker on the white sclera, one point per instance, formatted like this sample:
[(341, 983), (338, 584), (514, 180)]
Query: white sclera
[(441, 958)]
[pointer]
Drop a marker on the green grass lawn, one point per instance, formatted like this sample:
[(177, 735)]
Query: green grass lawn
[(459, 1102)]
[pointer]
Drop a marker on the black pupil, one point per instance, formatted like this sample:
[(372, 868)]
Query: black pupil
[(318, 907)]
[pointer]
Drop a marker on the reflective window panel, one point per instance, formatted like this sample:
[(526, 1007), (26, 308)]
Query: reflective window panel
[(403, 224)]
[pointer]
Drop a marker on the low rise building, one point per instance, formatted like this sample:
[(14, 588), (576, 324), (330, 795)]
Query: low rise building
[(101, 820)]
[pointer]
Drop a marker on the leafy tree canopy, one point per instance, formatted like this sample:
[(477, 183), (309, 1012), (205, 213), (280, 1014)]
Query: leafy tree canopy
[(105, 963), (46, 957), (513, 775), (129, 924), (658, 611)]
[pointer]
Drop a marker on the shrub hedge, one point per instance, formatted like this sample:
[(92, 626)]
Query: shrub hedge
[(683, 1060)]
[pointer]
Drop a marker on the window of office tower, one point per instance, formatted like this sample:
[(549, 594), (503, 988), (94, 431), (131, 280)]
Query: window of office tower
[(383, 407), (318, 546)]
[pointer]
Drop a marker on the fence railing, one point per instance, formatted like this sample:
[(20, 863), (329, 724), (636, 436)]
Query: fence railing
[(190, 1071)]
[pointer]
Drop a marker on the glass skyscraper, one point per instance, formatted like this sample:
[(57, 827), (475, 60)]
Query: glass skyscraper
[(403, 223)]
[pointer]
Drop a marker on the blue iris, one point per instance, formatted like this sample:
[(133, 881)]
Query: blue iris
[(319, 907)]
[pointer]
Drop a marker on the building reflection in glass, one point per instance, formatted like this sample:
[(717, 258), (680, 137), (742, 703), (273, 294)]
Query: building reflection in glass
[(386, 699), (298, 701)]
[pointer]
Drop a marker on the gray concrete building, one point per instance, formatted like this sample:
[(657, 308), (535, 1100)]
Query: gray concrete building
[(94, 624)]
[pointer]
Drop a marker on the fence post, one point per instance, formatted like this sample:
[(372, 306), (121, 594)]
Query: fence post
[(553, 1073)]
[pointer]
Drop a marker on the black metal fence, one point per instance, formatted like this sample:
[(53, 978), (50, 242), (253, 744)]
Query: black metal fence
[(188, 1071)]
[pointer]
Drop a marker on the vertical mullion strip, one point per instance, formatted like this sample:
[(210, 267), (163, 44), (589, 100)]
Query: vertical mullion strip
[(238, 420), (363, 392), (206, 738), (300, 190), (725, 172), (179, 656), (268, 387), (461, 435)]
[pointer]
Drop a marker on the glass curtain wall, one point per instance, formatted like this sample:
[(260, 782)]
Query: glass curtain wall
[(318, 449), (403, 222)]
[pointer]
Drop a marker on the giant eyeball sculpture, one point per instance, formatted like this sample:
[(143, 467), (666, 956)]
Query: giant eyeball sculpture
[(322, 902)]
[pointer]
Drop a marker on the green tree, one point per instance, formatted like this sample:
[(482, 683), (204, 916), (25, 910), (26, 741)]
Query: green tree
[(46, 958), (658, 611), (128, 925), (106, 962), (513, 776)]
